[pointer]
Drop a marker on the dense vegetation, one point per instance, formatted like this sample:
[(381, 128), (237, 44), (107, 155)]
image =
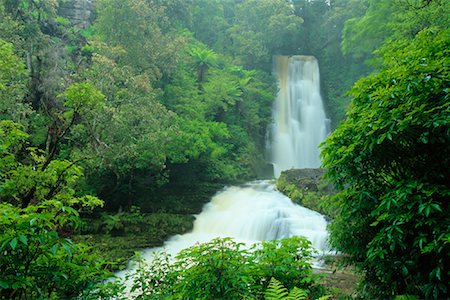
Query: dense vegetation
[(148, 96), (390, 158), (223, 269)]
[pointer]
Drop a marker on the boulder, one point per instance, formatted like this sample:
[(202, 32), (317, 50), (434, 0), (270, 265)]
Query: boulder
[(306, 179)]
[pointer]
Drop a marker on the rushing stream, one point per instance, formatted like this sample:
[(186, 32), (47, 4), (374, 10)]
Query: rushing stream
[(251, 213)]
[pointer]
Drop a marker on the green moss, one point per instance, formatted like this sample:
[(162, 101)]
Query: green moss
[(316, 194)]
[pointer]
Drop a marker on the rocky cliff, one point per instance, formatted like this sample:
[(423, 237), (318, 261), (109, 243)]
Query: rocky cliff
[(303, 179), (79, 12)]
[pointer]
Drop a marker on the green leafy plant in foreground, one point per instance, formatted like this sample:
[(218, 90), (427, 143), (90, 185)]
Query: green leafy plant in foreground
[(37, 261), (223, 269), (276, 291)]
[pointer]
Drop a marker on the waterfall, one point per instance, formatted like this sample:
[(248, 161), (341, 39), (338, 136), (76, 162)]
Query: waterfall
[(256, 211), (300, 124)]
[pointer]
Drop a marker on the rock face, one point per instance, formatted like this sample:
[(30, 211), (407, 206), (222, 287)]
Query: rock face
[(306, 187), (79, 12), (304, 179)]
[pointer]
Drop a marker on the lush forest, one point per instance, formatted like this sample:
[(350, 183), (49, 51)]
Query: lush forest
[(104, 118)]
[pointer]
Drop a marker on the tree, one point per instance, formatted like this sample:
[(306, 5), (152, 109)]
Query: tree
[(313, 35), (390, 163), (210, 23), (404, 18), (12, 84), (203, 59), (338, 71), (39, 208), (143, 32), (129, 137), (262, 29)]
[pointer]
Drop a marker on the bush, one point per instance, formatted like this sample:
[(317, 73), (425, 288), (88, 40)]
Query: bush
[(389, 160), (37, 261), (223, 269)]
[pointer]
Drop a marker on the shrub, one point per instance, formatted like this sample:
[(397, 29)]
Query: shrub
[(389, 160), (224, 269), (37, 261)]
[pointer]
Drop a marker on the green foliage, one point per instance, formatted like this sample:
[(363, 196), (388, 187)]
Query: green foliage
[(82, 98), (37, 261), (210, 22), (276, 291), (202, 59), (406, 297), (262, 29), (28, 177), (287, 260), (357, 30), (390, 164), (216, 270), (223, 269), (12, 84), (222, 118), (143, 32), (402, 19)]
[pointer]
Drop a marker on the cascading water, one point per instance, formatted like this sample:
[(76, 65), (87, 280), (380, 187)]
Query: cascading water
[(253, 213), (300, 124)]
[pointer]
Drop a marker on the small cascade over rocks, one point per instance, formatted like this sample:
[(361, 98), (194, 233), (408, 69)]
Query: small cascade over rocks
[(252, 213), (300, 124)]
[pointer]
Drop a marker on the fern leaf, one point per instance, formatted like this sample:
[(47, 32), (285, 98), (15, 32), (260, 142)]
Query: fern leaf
[(275, 290), (297, 294), (326, 297)]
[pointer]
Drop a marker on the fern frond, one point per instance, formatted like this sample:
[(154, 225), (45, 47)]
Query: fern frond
[(297, 294), (275, 290), (326, 297)]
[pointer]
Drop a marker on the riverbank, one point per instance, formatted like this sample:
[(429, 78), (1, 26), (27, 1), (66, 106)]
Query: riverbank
[(115, 237), (307, 188)]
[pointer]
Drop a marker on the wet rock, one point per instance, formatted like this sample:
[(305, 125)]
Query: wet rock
[(304, 179), (79, 12)]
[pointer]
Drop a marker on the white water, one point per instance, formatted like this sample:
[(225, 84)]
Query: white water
[(252, 213), (300, 124)]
